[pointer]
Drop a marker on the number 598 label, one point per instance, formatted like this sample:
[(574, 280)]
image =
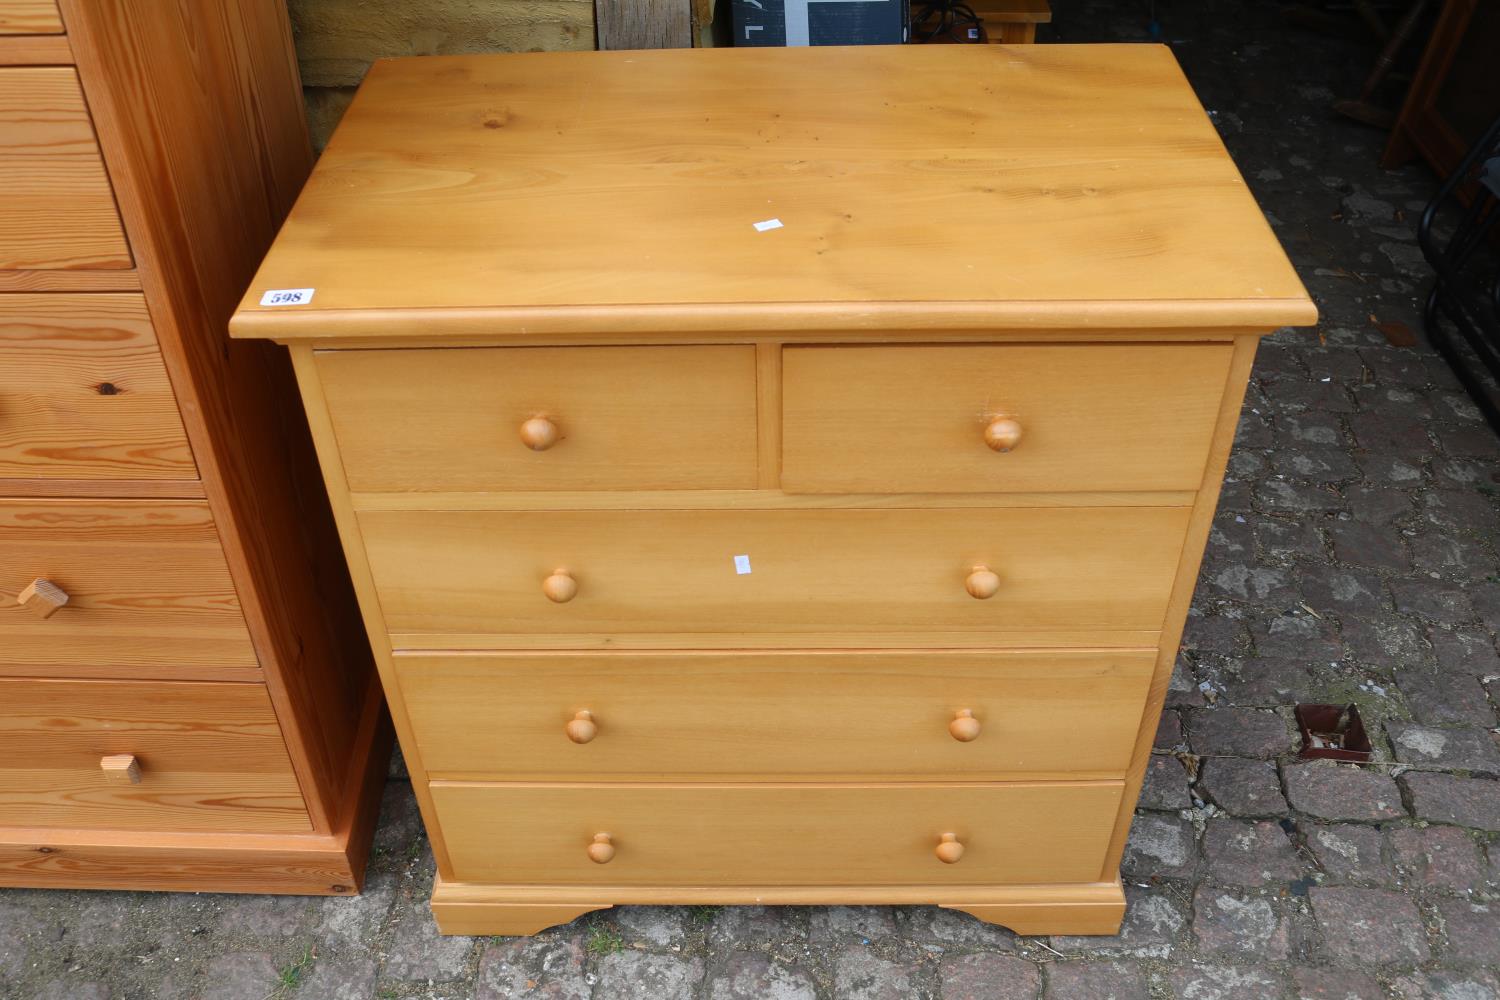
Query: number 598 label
[(287, 297)]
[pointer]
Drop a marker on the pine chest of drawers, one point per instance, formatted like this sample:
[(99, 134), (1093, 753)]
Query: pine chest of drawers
[(775, 475)]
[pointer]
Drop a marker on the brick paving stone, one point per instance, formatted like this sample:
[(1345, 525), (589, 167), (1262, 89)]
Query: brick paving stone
[(1438, 697), (1160, 846), (1471, 931), (1247, 732), (952, 928), (1298, 429), (752, 976), (1378, 504), (1431, 600), (1387, 643), (1349, 852), (17, 923), (1169, 731), (1337, 792), (1362, 927), (657, 926), (268, 916), (1468, 651), (1280, 496), (1261, 584), (1154, 925), (1318, 465), (1223, 982), (1166, 785), (417, 952), (1375, 545), (544, 967), (355, 920), (60, 989), (1242, 787), (1182, 689), (1295, 634), (747, 925), (1328, 588), (984, 976), (1461, 749), (1215, 633), (1443, 857), (399, 833), (1460, 510), (1334, 984), (859, 974), (351, 978), (1473, 984), (1453, 556), (643, 975), (1096, 981), (1447, 798), (1263, 681), (1244, 853), (1390, 432), (1230, 923), (238, 976), (1284, 538), (861, 924), (1485, 597)]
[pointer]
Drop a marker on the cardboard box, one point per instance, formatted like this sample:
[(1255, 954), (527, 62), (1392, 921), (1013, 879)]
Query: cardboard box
[(820, 22)]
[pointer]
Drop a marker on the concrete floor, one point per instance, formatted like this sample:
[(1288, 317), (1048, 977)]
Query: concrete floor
[(1354, 559)]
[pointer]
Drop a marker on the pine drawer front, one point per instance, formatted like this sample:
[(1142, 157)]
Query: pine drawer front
[(961, 419), (776, 834), (30, 17), (567, 418), (123, 582), (84, 393), (57, 210), (866, 571), (130, 755), (826, 716)]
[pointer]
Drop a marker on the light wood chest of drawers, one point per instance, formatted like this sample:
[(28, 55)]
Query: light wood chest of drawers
[(844, 561)]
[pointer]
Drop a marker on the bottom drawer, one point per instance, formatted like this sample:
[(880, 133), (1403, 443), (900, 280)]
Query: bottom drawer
[(783, 834), (206, 757)]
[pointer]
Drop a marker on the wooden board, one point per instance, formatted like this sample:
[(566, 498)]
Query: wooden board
[(623, 188), (797, 834), (56, 206), (210, 757), (857, 716), (627, 418), (83, 392), (643, 24), (146, 582), (913, 418), (872, 571), (30, 17)]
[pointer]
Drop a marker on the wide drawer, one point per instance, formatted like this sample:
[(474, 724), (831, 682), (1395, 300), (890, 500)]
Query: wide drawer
[(205, 757), (786, 834), (930, 419), (832, 715), (145, 580), (30, 17), (865, 571), (56, 207), (84, 393), (545, 418)]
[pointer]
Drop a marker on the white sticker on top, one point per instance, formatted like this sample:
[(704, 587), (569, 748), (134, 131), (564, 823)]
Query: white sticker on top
[(287, 297), (742, 565), (761, 227)]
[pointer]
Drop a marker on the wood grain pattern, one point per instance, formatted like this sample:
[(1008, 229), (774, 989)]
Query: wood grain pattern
[(873, 570), (30, 17), (643, 24), (800, 834), (774, 715), (210, 757), (35, 50), (764, 499), (147, 583), (912, 418), (628, 417), (56, 206), (69, 281), (83, 392), (1133, 208)]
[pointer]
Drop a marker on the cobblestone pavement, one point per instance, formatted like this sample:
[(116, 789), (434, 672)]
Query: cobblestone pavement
[(1354, 559)]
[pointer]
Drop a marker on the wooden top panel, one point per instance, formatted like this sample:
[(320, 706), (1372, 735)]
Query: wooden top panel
[(29, 17), (936, 186)]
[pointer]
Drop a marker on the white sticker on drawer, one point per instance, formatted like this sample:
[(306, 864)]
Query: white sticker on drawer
[(287, 297), (742, 565)]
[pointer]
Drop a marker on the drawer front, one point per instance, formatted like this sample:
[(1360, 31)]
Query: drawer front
[(30, 17), (596, 418), (782, 834), (84, 393), (924, 419), (56, 207), (145, 583), (835, 715), (869, 571), (205, 757)]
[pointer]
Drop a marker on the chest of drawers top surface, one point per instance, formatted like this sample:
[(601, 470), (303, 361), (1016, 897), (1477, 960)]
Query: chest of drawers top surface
[(980, 187)]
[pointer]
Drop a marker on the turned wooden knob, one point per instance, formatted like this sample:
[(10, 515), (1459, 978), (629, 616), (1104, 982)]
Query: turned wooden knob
[(582, 729), (1002, 434), (560, 587), (538, 433), (42, 598), (964, 727), (949, 850), (602, 850), (982, 583), (121, 769)]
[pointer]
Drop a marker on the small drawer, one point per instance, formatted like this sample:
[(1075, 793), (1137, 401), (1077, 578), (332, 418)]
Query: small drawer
[(57, 211), (867, 573), (777, 835), (960, 419), (544, 418), (84, 393), (573, 716), (129, 755), (30, 17), (121, 582)]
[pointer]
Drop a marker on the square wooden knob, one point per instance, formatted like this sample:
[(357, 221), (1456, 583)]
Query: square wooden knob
[(42, 598), (121, 769)]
